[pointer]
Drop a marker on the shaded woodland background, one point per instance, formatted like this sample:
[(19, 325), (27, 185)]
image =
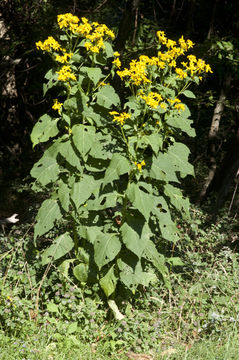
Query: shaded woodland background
[(213, 25)]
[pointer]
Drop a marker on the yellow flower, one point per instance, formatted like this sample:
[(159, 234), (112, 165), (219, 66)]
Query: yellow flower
[(64, 58), (49, 44), (152, 99), (57, 105), (120, 118), (65, 74), (179, 107), (181, 74), (67, 20), (162, 37), (139, 165), (116, 54), (117, 62)]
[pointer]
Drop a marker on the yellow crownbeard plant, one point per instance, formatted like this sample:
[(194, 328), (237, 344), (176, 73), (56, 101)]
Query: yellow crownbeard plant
[(113, 169)]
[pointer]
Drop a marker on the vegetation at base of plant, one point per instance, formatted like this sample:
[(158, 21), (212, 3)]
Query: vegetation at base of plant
[(201, 308), (112, 169)]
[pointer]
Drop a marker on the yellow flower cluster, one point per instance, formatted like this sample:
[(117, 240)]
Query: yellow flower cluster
[(68, 21), (177, 104), (66, 74), (57, 105), (93, 32), (195, 65), (64, 58), (139, 165), (117, 62), (120, 118), (49, 44), (152, 99), (137, 71)]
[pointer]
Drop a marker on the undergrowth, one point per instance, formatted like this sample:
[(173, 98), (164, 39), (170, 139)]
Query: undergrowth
[(44, 314)]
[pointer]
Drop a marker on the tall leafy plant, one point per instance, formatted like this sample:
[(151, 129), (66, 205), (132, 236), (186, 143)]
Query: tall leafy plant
[(113, 172)]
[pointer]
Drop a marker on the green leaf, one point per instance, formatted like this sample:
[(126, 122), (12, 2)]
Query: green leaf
[(175, 261), (131, 278), (89, 233), (64, 195), (94, 74), (119, 165), (82, 190), (167, 226), (44, 129), (115, 309), (106, 248), (189, 94), (155, 141), (83, 138), (151, 254), (72, 328), (81, 272), (161, 169), (46, 170), (108, 282), (48, 213), (108, 49), (140, 199), (65, 266), (176, 199), (106, 97), (60, 247), (51, 307), (178, 158), (135, 233), (69, 154), (184, 124)]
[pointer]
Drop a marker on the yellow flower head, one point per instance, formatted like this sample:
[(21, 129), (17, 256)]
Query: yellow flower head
[(49, 44), (64, 58), (65, 74), (67, 21), (152, 99), (120, 118), (140, 165), (117, 62), (57, 105)]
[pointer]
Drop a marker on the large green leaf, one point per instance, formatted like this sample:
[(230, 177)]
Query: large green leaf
[(167, 226), (132, 278), (181, 123), (82, 190), (44, 129), (94, 73), (67, 151), (109, 282), (177, 199), (106, 247), (140, 199), (64, 195), (46, 170), (80, 271), (106, 97), (158, 260), (161, 169), (178, 158), (135, 233), (119, 165), (48, 213), (83, 138), (89, 233), (60, 247)]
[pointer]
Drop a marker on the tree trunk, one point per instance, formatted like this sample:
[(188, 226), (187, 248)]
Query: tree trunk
[(213, 134)]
